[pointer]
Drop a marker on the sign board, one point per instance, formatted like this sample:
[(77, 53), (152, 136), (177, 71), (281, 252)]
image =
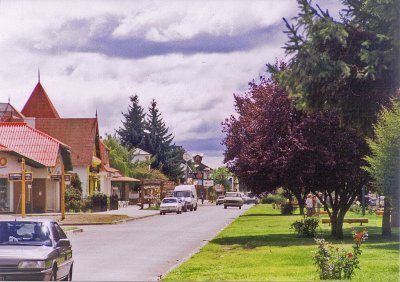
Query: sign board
[(55, 177), (67, 177), (208, 183), (3, 162), (199, 175), (17, 176)]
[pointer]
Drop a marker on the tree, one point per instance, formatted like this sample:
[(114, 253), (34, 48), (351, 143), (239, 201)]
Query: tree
[(132, 131), (159, 142), (120, 156), (220, 176), (349, 66), (384, 163), (271, 144)]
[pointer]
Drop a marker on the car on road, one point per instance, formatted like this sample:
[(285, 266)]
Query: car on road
[(252, 200), (34, 250), (188, 193), (171, 204), (220, 200), (233, 199)]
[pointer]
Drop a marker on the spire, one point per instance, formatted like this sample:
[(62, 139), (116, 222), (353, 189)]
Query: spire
[(9, 99), (39, 104), (38, 75), (96, 112)]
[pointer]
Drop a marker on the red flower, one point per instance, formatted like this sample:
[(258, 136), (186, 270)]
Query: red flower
[(359, 236), (349, 255)]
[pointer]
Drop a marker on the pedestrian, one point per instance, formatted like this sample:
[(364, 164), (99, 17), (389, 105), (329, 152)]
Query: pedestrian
[(314, 204), (309, 205), (319, 204)]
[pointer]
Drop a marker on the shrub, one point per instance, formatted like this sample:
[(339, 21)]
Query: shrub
[(72, 199), (86, 204), (337, 263), (306, 227), (287, 209), (273, 199)]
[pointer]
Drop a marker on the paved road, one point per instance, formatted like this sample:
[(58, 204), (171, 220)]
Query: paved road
[(143, 249)]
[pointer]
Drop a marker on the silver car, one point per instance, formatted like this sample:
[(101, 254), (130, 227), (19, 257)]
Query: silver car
[(34, 250), (171, 204)]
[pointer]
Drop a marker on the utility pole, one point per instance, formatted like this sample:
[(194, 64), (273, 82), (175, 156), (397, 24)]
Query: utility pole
[(62, 202), (23, 192)]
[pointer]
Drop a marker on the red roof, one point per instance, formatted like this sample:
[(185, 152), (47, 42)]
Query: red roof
[(78, 133), (29, 142), (39, 105), (9, 114)]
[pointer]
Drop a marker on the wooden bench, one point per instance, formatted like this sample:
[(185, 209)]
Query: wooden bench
[(323, 212), (379, 212), (348, 220)]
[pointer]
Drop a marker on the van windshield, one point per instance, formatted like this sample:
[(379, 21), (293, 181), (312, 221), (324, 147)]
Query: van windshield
[(182, 194)]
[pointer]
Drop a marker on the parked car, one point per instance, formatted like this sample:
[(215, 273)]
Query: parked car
[(233, 199), (252, 200), (220, 200), (34, 250), (171, 204)]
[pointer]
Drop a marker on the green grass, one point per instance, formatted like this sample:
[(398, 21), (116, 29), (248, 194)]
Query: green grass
[(259, 246)]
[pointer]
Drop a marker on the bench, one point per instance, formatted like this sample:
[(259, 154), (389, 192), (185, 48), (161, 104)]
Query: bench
[(348, 220), (123, 204), (379, 212), (323, 212)]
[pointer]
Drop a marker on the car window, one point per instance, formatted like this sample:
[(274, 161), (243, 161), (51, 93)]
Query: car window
[(24, 233), (169, 201), (182, 193), (230, 194), (58, 233)]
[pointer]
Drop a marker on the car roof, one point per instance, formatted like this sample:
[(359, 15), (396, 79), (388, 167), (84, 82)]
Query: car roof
[(19, 219)]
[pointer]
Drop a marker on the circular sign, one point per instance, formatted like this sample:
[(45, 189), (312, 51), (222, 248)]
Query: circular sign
[(3, 162), (187, 157)]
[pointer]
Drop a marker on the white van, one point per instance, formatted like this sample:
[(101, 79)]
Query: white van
[(187, 193)]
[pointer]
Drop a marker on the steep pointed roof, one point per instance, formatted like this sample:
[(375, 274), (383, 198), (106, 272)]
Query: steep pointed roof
[(9, 114), (39, 104)]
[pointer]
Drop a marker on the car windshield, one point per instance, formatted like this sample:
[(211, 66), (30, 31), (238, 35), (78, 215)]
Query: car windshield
[(169, 201), (231, 194), (182, 193), (220, 197), (24, 233)]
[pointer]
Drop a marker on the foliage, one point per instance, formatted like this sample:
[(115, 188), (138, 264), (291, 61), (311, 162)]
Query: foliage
[(159, 142), (306, 227), (273, 198), (76, 182), (72, 199), (287, 208), (86, 205), (384, 160), (270, 144), (120, 156), (141, 170), (348, 65), (337, 263), (132, 130), (220, 176)]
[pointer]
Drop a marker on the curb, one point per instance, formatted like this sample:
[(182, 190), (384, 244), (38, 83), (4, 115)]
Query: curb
[(74, 231), (106, 223)]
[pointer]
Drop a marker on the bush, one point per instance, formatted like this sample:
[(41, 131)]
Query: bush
[(273, 199), (72, 199), (306, 227), (86, 204), (337, 263), (287, 209), (99, 202)]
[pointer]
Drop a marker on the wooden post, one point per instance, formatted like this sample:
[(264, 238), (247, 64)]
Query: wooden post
[(62, 202), (23, 193)]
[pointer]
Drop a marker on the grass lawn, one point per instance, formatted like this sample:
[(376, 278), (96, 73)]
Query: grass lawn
[(260, 246), (87, 218)]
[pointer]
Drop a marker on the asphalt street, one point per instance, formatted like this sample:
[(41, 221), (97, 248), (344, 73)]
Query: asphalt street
[(145, 249)]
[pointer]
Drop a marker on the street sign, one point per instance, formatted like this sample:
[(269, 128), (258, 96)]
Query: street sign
[(17, 176), (55, 177), (208, 183)]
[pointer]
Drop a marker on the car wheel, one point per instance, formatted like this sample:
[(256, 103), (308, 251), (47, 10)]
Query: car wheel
[(195, 208), (224, 207), (240, 207), (160, 213)]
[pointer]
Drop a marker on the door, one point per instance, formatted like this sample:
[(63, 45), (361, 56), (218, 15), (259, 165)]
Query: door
[(51, 196), (4, 195)]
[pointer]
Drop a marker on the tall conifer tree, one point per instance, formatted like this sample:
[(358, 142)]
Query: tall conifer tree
[(132, 131)]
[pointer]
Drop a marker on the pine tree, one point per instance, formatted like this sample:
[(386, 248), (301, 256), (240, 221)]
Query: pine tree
[(159, 142), (132, 131)]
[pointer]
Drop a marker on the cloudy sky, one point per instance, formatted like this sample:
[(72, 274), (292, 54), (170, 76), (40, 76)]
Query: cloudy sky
[(190, 56)]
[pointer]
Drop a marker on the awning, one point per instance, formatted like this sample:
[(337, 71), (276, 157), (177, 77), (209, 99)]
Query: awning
[(96, 161), (124, 179)]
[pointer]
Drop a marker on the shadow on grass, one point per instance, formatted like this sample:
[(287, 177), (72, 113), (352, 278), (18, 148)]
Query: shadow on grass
[(268, 214), (254, 241)]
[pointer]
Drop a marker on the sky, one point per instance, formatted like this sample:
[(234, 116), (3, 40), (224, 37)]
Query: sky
[(190, 56)]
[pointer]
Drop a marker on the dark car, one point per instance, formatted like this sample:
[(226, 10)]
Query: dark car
[(34, 250)]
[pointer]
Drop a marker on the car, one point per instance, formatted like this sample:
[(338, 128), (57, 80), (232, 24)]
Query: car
[(252, 200), (34, 250), (171, 204), (220, 200), (233, 199)]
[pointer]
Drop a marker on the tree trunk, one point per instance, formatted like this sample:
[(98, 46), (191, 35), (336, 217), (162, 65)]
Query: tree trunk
[(386, 228), (300, 201), (337, 225)]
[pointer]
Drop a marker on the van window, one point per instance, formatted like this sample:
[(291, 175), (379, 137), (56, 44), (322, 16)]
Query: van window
[(182, 193)]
